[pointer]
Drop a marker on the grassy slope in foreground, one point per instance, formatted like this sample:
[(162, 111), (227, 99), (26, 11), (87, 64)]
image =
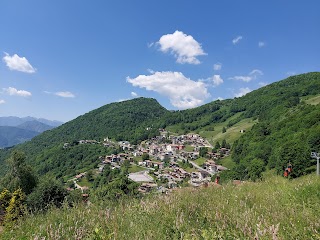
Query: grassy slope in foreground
[(288, 209)]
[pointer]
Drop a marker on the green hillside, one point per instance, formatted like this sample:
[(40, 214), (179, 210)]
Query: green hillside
[(276, 208), (126, 120), (277, 113)]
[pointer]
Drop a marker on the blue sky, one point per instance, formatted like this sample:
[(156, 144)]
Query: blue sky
[(61, 59)]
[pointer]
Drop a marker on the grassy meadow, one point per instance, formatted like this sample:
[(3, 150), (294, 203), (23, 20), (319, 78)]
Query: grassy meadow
[(275, 208)]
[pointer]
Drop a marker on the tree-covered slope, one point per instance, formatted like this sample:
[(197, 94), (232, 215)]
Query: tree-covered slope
[(287, 132), (278, 112), (129, 120)]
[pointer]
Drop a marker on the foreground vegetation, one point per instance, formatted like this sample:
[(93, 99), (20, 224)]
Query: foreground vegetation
[(275, 208)]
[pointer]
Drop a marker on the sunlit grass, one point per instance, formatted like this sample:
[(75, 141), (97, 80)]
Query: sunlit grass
[(276, 208)]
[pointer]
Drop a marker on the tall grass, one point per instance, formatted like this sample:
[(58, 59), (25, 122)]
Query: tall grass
[(276, 208)]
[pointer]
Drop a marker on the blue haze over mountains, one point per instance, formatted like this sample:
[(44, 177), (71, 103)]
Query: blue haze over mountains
[(15, 130)]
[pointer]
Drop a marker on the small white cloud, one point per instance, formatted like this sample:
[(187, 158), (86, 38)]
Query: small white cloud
[(217, 80), (236, 40), (18, 63), (261, 44), (184, 47), (65, 94), (217, 66), (14, 92), (262, 84), (134, 94), (291, 73), (242, 92), (247, 78), (182, 91), (2, 101), (123, 99), (150, 71)]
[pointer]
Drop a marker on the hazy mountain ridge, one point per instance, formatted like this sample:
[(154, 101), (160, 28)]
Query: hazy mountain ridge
[(15, 121), (10, 136), (15, 130), (35, 126)]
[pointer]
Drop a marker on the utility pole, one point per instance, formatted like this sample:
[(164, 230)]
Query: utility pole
[(317, 156)]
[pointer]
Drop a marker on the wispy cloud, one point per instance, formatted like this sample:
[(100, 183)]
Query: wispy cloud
[(242, 92), (123, 99), (236, 40), (261, 44), (217, 66), (134, 94), (247, 78), (14, 92), (65, 94), (182, 91), (184, 47), (262, 84), (2, 101), (17, 63)]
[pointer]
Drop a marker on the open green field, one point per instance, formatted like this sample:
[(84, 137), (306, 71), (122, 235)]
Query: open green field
[(135, 168), (84, 182), (276, 208), (200, 161), (189, 148), (232, 133), (226, 162), (315, 100)]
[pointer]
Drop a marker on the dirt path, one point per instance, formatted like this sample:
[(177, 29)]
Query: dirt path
[(1, 229)]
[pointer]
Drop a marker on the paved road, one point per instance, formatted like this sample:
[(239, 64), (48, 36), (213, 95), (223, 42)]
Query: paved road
[(195, 165), (200, 168)]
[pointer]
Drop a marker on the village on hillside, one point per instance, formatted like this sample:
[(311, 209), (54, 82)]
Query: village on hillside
[(164, 162)]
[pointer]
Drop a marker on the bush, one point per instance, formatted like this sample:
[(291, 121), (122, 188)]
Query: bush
[(48, 192)]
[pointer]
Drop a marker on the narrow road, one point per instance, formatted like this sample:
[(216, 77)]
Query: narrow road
[(195, 165), (200, 168)]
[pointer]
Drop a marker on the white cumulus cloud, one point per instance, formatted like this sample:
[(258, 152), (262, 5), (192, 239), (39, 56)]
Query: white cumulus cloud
[(18, 63), (184, 47), (65, 94), (14, 92), (217, 80), (134, 94), (182, 91), (242, 92), (217, 66), (236, 40), (2, 101), (254, 74)]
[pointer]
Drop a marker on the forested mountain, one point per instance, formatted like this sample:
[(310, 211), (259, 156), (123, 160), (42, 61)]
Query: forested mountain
[(287, 129), (129, 120)]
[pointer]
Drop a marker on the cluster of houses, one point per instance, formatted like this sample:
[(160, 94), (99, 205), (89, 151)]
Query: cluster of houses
[(164, 155)]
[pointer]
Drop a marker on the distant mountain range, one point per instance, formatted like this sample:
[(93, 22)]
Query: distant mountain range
[(15, 130), (15, 121)]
